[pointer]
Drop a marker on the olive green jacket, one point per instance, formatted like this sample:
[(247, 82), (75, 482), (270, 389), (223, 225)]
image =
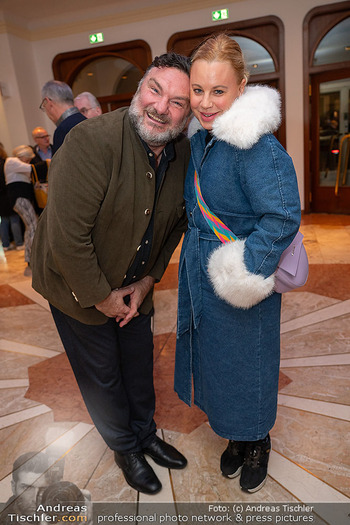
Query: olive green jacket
[(101, 196)]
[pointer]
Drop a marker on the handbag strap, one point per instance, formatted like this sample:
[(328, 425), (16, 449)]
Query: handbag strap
[(219, 228), (35, 174)]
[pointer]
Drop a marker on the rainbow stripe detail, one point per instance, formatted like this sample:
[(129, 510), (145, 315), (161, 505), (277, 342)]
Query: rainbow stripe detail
[(219, 228)]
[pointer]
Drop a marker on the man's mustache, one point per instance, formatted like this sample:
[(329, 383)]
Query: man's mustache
[(164, 119)]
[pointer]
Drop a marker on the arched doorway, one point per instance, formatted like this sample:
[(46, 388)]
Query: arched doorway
[(262, 43), (327, 108), (111, 73), (113, 80)]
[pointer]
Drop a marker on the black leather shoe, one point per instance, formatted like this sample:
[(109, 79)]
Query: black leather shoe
[(137, 472), (164, 454)]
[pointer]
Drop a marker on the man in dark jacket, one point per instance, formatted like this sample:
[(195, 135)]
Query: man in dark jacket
[(115, 215), (58, 104)]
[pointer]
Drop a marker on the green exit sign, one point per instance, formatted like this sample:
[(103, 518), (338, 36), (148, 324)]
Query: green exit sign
[(96, 38), (220, 14)]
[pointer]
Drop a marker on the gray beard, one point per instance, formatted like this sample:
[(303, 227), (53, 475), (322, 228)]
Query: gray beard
[(152, 138)]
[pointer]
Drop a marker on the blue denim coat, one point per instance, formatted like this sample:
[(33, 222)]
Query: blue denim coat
[(232, 353)]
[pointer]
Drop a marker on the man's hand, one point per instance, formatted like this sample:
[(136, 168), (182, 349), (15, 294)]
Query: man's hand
[(114, 305), (141, 289)]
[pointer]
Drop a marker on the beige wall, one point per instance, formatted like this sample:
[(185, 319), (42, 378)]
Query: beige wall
[(26, 57)]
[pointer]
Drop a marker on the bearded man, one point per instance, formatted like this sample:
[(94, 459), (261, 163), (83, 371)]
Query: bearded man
[(115, 214)]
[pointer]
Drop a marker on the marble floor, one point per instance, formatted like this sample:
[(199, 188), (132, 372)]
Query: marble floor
[(41, 409)]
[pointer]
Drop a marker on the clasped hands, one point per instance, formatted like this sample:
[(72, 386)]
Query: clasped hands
[(115, 306)]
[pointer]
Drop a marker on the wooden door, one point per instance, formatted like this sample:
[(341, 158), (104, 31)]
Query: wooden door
[(330, 142)]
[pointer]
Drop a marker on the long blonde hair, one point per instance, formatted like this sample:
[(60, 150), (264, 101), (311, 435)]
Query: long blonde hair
[(222, 48)]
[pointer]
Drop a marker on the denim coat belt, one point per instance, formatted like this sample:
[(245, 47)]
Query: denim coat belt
[(190, 300)]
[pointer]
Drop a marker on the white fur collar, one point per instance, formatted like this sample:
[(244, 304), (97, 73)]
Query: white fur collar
[(254, 114)]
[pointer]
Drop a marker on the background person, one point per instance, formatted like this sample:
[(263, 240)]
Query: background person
[(107, 234), (58, 104), (10, 222), (18, 179), (43, 148), (88, 104), (228, 316), (41, 161)]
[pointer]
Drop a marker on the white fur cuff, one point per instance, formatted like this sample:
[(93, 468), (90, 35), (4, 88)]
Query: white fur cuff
[(231, 280)]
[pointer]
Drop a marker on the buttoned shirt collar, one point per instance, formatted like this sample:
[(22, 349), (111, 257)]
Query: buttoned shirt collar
[(168, 152)]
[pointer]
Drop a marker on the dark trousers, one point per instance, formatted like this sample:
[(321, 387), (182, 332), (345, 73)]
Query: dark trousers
[(114, 370)]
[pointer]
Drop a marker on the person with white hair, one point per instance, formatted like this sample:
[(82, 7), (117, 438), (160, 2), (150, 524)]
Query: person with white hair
[(88, 104), (58, 104), (18, 171)]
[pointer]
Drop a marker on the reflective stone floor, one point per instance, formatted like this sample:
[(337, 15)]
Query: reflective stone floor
[(41, 409)]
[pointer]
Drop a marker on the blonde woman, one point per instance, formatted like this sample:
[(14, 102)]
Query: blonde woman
[(18, 171), (229, 316), (10, 221)]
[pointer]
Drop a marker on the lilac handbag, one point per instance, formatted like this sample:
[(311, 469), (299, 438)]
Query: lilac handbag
[(293, 268)]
